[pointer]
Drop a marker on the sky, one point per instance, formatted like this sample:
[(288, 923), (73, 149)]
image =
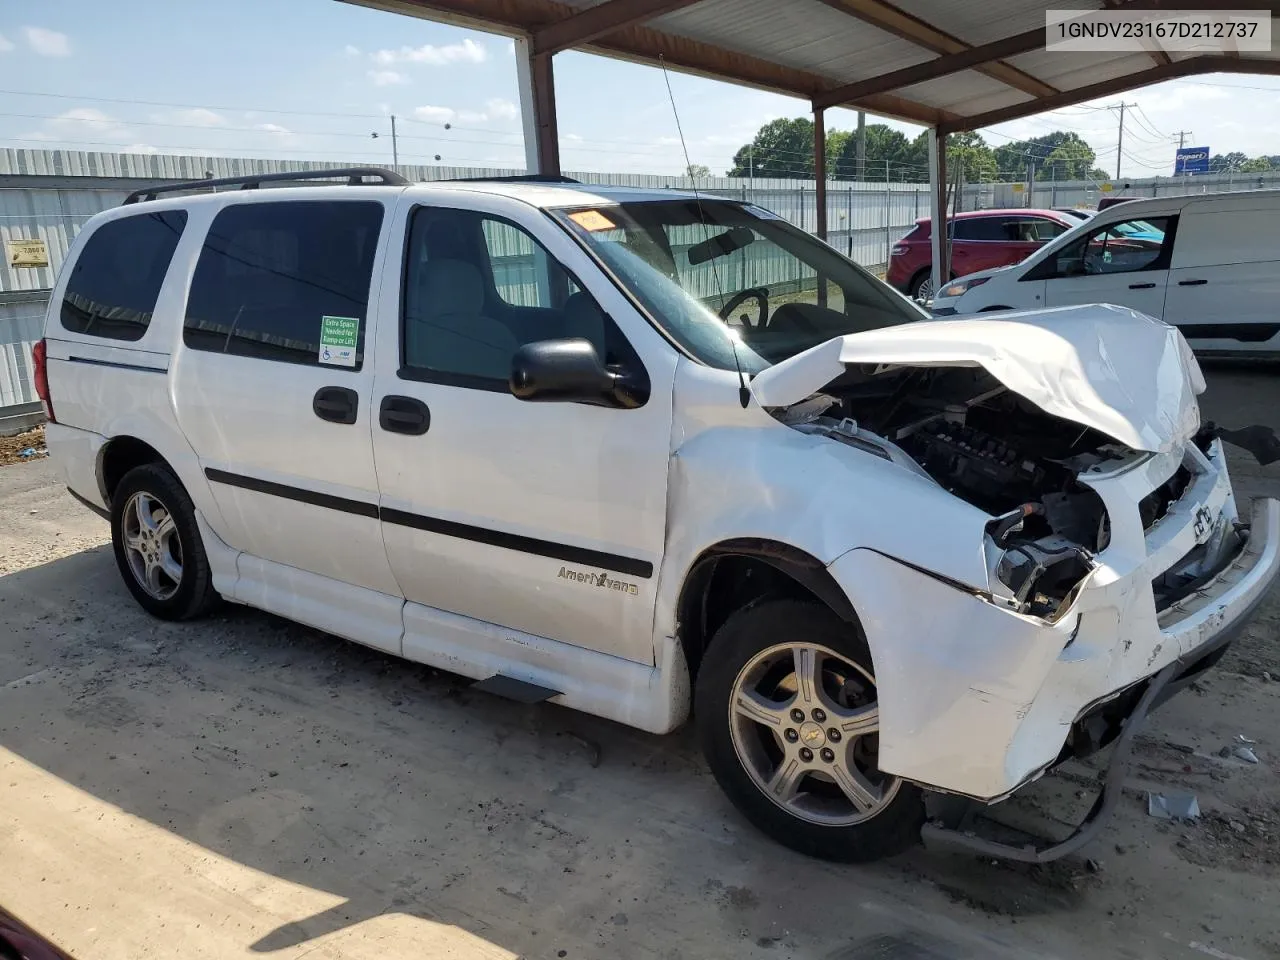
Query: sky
[(313, 79)]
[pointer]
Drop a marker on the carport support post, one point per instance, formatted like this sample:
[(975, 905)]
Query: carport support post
[(820, 189), (820, 172), (938, 202), (536, 84)]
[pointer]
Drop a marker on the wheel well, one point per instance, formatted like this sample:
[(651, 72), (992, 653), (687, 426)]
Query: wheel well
[(738, 573), (119, 456)]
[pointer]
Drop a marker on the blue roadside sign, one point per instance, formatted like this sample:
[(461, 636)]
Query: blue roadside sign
[(1191, 160)]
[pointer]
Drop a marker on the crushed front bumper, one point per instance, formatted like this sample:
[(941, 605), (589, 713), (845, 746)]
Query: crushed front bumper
[(977, 700)]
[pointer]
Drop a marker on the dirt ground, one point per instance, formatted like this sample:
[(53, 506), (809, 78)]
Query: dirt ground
[(244, 786), (11, 448)]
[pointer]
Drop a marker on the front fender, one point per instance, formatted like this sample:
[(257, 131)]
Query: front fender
[(824, 498)]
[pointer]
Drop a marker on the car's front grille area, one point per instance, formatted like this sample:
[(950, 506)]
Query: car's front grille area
[(1155, 505)]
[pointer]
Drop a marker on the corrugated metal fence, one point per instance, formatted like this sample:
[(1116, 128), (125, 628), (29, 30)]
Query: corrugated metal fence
[(49, 194)]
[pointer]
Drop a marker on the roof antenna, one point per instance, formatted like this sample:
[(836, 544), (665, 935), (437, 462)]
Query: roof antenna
[(744, 394)]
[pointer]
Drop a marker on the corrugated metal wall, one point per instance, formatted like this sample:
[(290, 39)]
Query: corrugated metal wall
[(49, 194)]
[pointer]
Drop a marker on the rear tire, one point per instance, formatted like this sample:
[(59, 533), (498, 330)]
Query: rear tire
[(157, 545), (773, 738)]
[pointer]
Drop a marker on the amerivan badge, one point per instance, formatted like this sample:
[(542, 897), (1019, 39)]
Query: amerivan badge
[(338, 340)]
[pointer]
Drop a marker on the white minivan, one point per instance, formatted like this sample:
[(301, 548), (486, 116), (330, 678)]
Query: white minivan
[(646, 454), (1207, 264)]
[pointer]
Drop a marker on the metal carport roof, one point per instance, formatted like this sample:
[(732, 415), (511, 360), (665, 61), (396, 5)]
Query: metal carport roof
[(949, 64), (885, 58)]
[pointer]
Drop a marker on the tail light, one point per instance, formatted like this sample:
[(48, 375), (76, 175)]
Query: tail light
[(898, 250), (39, 357)]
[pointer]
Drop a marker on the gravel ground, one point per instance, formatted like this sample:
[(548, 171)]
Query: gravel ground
[(244, 785)]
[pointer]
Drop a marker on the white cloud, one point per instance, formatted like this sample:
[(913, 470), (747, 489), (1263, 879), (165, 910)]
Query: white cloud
[(387, 78), (573, 138), (496, 110), (139, 148), (468, 51), (47, 43), (273, 128), (350, 51), (5, 44), (499, 109), (196, 117), (434, 114)]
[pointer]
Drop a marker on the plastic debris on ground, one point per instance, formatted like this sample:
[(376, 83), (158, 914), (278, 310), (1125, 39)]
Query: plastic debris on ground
[(1173, 806), (1245, 754)]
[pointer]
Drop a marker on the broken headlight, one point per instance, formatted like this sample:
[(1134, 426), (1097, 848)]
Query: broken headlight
[(1040, 576)]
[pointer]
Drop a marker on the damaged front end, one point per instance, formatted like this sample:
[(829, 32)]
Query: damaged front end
[(1116, 564), (996, 451)]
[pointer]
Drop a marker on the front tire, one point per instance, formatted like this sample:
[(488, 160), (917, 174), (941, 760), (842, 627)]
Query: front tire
[(157, 545), (786, 712)]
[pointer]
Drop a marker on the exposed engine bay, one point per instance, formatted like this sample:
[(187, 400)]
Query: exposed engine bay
[(995, 450)]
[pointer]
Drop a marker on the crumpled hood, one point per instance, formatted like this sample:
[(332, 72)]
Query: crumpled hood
[(1107, 367)]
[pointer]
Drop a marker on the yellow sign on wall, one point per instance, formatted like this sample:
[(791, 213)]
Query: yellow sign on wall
[(26, 253), (1105, 187)]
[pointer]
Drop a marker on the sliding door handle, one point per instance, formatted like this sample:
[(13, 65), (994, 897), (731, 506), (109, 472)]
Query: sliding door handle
[(336, 404)]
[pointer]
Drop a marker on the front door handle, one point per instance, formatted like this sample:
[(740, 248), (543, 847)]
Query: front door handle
[(1142, 286), (336, 404), (1192, 283), (404, 415)]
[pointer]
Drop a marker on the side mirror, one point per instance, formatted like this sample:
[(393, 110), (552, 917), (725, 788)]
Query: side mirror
[(570, 371)]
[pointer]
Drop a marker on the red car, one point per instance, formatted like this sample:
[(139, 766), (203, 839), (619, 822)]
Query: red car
[(980, 240)]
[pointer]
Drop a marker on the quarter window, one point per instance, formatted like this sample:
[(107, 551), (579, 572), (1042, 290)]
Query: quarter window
[(286, 281), (116, 281)]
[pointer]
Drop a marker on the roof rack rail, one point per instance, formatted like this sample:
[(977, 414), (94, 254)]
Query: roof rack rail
[(521, 178), (355, 177)]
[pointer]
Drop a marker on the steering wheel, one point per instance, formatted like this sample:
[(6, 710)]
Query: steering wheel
[(759, 294)]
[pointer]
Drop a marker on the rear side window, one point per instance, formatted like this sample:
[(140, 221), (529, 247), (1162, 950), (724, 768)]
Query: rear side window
[(116, 281), (286, 281), (982, 228)]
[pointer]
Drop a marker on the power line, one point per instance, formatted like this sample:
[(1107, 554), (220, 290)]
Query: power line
[(188, 106)]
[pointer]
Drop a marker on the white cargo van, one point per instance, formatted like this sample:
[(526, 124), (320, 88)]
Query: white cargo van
[(1207, 264), (642, 453)]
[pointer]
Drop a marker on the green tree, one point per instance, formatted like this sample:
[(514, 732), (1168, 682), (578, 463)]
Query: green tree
[(970, 152), (698, 171), (885, 145), (1255, 165), (781, 148), (1070, 160), (1014, 158), (1097, 173), (1220, 163)]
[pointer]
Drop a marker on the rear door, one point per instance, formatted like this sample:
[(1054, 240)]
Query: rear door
[(1125, 263), (273, 390), (1224, 285)]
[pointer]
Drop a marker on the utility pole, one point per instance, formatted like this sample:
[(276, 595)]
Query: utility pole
[(861, 154), (395, 146), (1182, 138), (1120, 137)]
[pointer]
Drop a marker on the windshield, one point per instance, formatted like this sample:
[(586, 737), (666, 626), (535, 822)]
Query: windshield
[(715, 273)]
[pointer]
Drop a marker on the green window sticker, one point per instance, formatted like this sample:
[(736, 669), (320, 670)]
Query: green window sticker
[(338, 340)]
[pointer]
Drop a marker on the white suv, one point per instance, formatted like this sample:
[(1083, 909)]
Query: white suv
[(642, 453)]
